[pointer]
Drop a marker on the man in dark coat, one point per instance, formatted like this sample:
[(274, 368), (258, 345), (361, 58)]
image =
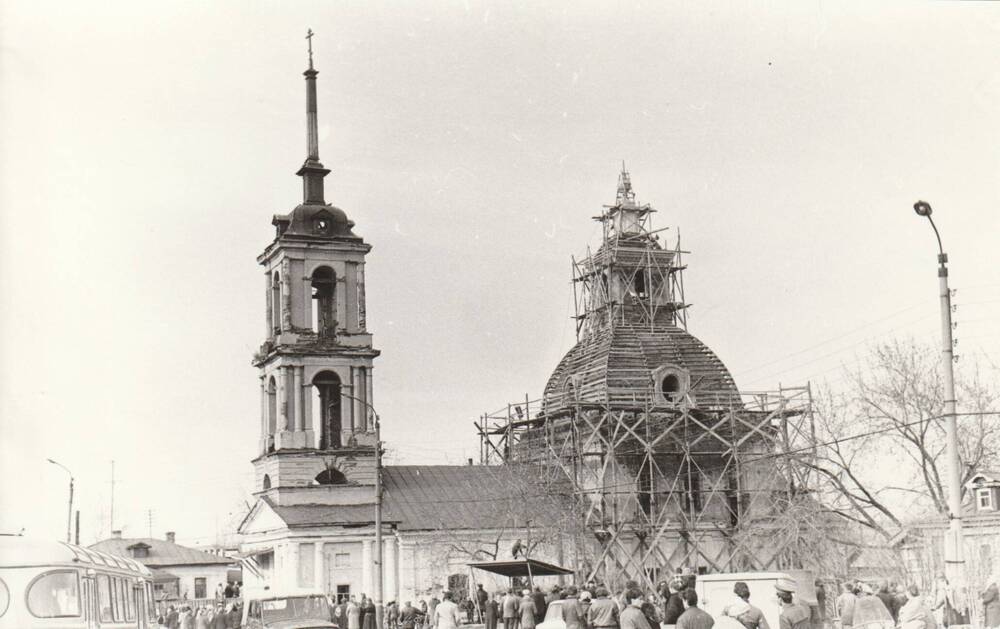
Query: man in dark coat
[(540, 604), (888, 600), (674, 606), (481, 598)]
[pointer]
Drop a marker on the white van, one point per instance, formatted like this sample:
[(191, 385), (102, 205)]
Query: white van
[(715, 591)]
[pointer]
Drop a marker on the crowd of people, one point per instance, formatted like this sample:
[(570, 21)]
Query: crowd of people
[(594, 607), (886, 605), (218, 616)]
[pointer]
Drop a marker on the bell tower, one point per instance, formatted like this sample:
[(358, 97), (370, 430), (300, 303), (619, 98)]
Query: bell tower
[(316, 424)]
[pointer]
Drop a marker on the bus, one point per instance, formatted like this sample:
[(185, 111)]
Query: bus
[(54, 585)]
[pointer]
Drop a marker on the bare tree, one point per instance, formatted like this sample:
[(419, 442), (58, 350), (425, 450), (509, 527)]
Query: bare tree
[(891, 413)]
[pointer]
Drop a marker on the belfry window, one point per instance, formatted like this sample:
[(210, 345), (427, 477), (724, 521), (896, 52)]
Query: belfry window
[(324, 309), (327, 388), (272, 408), (639, 283), (276, 303), (331, 476), (670, 384)]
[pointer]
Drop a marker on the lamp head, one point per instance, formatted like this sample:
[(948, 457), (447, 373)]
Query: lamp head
[(922, 208)]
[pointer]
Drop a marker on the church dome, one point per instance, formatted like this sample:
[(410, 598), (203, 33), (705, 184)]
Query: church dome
[(315, 220), (630, 365)]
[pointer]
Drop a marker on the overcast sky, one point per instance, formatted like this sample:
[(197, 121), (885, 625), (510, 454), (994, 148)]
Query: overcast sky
[(145, 146)]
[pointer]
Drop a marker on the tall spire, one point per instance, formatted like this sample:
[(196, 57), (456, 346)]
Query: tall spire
[(625, 194), (312, 171)]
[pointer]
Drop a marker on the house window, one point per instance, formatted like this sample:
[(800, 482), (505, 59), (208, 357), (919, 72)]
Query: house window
[(200, 589), (984, 499)]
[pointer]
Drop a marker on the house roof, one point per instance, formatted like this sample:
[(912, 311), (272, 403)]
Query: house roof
[(161, 552), (426, 497)]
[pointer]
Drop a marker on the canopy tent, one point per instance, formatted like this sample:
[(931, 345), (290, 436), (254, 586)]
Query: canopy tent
[(530, 568), (521, 568)]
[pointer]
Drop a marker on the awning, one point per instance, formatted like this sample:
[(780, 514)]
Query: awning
[(521, 568)]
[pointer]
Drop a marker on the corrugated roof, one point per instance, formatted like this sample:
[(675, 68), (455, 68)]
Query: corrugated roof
[(426, 497), (161, 552)]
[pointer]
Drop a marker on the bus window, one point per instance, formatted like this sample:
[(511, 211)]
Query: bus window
[(132, 595), (104, 597), (55, 595)]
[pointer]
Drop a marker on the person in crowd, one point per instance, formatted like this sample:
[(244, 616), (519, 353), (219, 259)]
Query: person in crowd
[(369, 621), (632, 617), (693, 618), (888, 599), (446, 614), (673, 607), (481, 598), (899, 591), (509, 609), (491, 611), (944, 602), (423, 617), (408, 616), (584, 607), (353, 614), (554, 594), (991, 601), (227, 592), (869, 610), (540, 604), (234, 616), (603, 612), (220, 592), (730, 615), (650, 611), (526, 611), (571, 608), (219, 617), (913, 613), (392, 615), (794, 615), (171, 619), (820, 600), (431, 608), (201, 619), (845, 605), (185, 619), (749, 616)]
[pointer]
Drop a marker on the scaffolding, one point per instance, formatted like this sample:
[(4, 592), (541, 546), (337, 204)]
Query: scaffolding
[(667, 476), (667, 488)]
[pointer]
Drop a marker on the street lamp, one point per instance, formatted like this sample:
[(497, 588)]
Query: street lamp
[(379, 575), (954, 549), (69, 516)]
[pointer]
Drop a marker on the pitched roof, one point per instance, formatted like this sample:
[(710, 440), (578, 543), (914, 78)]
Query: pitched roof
[(161, 552), (428, 497)]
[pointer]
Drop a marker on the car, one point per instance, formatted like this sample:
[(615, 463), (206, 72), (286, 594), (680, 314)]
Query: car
[(554, 616), (269, 609)]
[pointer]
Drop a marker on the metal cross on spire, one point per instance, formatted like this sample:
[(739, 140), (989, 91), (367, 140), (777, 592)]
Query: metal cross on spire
[(309, 37)]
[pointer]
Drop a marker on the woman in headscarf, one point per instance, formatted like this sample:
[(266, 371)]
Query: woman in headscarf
[(870, 612)]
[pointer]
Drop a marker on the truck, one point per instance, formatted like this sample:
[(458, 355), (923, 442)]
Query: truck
[(715, 592), (277, 609)]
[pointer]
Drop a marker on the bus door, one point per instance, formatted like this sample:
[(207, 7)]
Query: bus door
[(90, 601)]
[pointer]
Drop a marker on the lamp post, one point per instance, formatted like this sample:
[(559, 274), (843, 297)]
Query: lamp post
[(379, 573), (69, 516), (954, 549)]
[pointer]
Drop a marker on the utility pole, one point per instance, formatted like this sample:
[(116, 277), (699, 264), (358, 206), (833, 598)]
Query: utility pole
[(76, 538), (379, 572), (954, 544), (69, 514)]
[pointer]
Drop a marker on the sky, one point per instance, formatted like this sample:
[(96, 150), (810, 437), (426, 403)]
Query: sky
[(145, 147)]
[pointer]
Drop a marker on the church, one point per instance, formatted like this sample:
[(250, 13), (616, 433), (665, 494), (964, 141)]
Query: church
[(313, 521), (642, 459)]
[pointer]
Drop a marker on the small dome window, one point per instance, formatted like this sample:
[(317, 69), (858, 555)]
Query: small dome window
[(322, 226), (671, 384)]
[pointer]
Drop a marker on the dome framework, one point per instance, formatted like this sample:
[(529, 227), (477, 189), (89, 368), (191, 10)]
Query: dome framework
[(670, 464)]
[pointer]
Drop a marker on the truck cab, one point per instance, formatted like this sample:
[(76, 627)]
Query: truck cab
[(299, 609)]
